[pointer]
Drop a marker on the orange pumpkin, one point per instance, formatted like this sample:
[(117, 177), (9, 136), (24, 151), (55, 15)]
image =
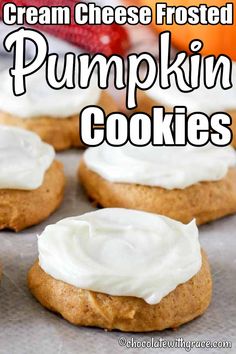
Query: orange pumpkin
[(217, 39)]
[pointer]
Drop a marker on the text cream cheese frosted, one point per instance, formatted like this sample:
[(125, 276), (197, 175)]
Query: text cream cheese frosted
[(121, 252), (24, 159), (168, 167)]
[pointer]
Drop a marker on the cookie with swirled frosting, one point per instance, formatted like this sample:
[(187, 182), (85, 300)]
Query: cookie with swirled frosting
[(122, 269), (179, 182), (52, 114), (31, 181)]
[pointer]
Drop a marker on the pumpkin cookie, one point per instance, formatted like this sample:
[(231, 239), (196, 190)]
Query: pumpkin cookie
[(180, 182), (204, 100), (146, 103), (52, 114), (120, 272), (31, 182)]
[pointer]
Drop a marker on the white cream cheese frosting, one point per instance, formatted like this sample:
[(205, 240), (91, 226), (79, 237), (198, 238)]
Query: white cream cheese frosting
[(168, 167), (41, 100), (24, 159), (121, 252), (204, 100)]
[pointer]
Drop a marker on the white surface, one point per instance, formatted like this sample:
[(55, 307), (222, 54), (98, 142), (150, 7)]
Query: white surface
[(104, 250), (27, 327)]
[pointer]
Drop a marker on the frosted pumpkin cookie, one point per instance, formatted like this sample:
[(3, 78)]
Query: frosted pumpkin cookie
[(202, 99), (31, 182), (122, 269), (179, 182), (52, 114)]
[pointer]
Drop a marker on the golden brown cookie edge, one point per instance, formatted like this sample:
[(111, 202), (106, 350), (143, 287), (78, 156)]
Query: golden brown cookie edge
[(20, 209), (205, 201), (61, 133), (128, 314)]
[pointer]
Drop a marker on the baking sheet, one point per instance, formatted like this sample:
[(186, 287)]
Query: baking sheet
[(26, 327)]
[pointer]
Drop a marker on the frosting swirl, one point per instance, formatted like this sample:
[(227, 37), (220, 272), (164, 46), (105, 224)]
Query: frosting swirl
[(121, 252), (24, 159), (168, 167)]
